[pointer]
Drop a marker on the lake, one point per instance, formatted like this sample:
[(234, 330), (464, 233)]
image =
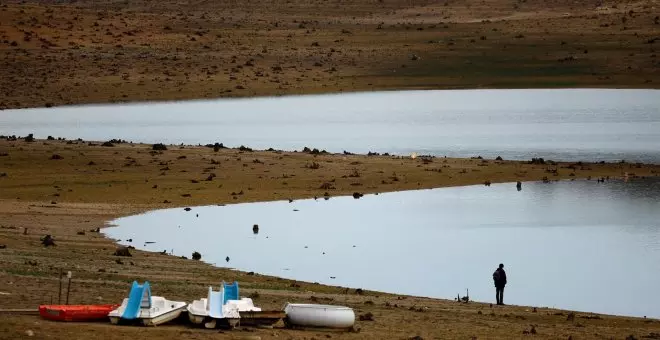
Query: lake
[(578, 245), (563, 124)]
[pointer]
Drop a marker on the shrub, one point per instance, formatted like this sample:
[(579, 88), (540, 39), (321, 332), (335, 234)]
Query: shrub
[(196, 256), (159, 147)]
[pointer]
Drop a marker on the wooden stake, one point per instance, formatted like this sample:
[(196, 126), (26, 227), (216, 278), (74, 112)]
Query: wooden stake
[(68, 287), (59, 293)]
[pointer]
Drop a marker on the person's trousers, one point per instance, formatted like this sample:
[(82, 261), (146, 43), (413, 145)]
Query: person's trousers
[(499, 295)]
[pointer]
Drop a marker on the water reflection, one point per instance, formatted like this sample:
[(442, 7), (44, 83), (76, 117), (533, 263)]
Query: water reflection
[(566, 124), (576, 244)]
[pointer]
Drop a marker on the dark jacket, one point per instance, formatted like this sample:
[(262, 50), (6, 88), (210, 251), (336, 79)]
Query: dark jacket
[(499, 277)]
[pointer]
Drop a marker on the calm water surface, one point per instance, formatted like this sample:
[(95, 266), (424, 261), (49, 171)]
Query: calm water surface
[(571, 124), (577, 244)]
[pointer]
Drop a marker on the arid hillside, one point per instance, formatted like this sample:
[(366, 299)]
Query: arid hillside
[(58, 53)]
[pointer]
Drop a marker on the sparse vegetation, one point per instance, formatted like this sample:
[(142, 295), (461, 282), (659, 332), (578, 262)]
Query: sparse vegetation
[(521, 49), (159, 147)]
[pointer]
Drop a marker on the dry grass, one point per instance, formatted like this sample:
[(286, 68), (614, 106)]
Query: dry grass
[(135, 174)]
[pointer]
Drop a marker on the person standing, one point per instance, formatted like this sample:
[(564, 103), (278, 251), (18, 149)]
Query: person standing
[(499, 279)]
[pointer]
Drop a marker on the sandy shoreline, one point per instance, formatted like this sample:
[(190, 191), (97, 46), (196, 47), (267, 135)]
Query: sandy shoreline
[(91, 185)]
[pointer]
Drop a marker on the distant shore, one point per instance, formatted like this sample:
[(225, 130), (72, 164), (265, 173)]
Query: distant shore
[(105, 51)]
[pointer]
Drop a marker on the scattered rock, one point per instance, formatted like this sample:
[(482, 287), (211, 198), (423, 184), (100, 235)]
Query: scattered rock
[(326, 186), (366, 317), (56, 156), (3, 246), (187, 209), (48, 241), (29, 332), (357, 195), (255, 229), (122, 251), (81, 232), (159, 147), (196, 256)]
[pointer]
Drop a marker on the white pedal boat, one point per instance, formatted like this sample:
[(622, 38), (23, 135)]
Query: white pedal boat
[(312, 315), (220, 307), (140, 306)]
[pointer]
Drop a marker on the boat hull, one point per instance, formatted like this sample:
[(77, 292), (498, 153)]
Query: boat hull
[(160, 311), (75, 312), (312, 315), (163, 318)]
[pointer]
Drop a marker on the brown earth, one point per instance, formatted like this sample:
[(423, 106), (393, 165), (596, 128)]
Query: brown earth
[(57, 53), (89, 185)]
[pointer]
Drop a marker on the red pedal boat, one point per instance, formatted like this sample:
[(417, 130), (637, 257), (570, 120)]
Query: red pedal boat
[(75, 312)]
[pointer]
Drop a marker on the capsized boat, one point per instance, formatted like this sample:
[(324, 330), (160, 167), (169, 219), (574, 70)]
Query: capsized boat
[(149, 310), (221, 307), (313, 315), (76, 312)]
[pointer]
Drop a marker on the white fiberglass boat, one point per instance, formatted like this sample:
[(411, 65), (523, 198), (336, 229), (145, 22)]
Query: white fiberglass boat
[(150, 310), (220, 307)]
